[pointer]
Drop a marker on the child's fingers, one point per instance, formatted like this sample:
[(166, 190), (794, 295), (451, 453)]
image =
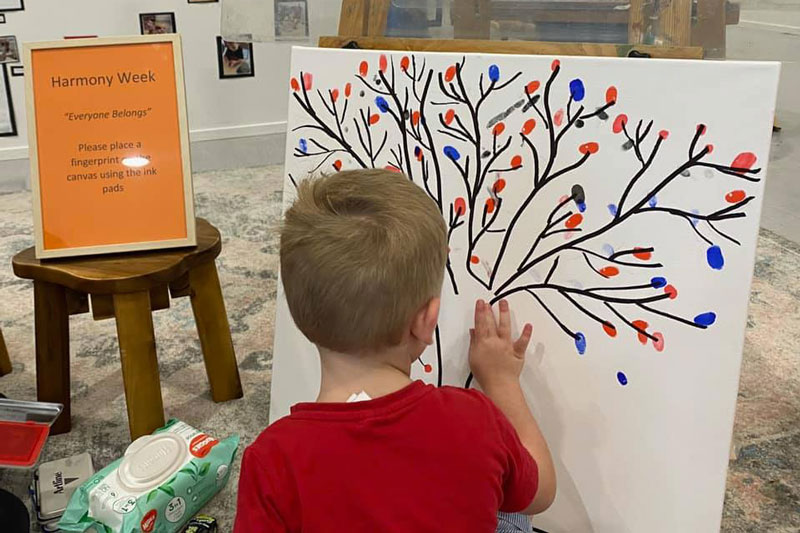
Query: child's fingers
[(504, 324), (521, 344), (471, 337), (484, 320)]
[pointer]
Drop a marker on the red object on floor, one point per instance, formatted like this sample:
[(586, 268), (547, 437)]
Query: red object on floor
[(21, 443)]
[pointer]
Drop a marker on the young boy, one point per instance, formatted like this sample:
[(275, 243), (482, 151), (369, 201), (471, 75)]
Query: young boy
[(362, 261)]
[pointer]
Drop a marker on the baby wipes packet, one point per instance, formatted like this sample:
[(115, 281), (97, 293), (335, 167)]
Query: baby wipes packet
[(156, 487)]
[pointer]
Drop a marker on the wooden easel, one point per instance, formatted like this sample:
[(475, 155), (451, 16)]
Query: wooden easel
[(362, 24)]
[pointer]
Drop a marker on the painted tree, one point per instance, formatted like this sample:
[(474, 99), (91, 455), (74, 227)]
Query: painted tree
[(439, 131)]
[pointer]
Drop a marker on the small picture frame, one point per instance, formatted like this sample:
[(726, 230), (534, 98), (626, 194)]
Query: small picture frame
[(291, 20), (9, 51), (2, 18), (8, 122), (11, 5), (235, 59), (17, 70), (157, 23)]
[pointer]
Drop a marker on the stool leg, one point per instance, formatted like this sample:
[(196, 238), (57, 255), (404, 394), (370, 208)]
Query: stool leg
[(214, 332), (5, 362), (137, 347), (51, 320)]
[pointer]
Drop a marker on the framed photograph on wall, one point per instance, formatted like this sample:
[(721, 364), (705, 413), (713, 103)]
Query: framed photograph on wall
[(11, 5), (291, 19), (9, 52), (235, 59), (8, 123), (157, 23)]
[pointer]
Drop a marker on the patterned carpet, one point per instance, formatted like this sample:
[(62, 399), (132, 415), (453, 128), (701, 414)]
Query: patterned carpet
[(763, 491)]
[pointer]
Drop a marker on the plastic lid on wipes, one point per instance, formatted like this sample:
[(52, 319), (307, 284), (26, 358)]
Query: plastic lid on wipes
[(150, 460)]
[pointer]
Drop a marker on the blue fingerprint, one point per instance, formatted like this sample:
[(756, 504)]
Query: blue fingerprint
[(612, 208), (576, 90), (705, 319), (580, 343), (608, 250), (658, 282), (622, 378), (494, 72), (383, 105), (582, 207), (452, 153), (714, 257), (417, 151), (653, 201), (303, 145), (694, 220)]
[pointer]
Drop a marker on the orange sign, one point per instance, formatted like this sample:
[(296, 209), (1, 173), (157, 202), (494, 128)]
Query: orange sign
[(110, 166)]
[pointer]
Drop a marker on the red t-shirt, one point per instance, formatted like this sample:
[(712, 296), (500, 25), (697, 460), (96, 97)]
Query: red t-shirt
[(419, 459)]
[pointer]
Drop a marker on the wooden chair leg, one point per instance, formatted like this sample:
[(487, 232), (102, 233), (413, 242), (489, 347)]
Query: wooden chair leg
[(5, 361), (137, 347), (214, 332), (51, 318)]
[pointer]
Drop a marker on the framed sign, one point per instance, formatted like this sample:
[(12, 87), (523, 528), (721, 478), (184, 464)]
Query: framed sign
[(109, 142)]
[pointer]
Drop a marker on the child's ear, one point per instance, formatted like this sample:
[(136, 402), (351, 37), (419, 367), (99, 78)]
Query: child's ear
[(424, 324)]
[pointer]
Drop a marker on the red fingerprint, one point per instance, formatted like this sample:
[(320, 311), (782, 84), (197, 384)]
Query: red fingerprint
[(555, 64), (415, 118), (392, 168), (460, 206), (490, 205), (619, 123), (404, 63), (347, 89), (428, 369), (373, 119), (499, 185), (609, 271), (574, 221), (611, 94), (382, 63), (474, 260), (658, 344), (363, 68), (671, 291), (527, 128), (516, 161), (335, 95), (308, 78), (589, 148), (295, 84), (663, 134), (642, 326), (337, 165), (558, 118), (736, 196), (449, 116), (532, 87), (702, 129), (498, 128), (609, 328), (744, 160), (642, 253), (709, 148), (450, 73)]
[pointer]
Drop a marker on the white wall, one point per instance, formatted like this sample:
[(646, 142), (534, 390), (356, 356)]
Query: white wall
[(218, 109)]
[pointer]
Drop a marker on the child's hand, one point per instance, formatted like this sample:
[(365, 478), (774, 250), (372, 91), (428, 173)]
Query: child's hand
[(493, 358)]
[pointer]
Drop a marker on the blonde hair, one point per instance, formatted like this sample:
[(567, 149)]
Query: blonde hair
[(361, 251)]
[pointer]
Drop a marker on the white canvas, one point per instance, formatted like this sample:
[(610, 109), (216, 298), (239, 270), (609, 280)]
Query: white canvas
[(638, 415)]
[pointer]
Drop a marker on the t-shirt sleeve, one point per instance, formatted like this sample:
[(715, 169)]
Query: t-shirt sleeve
[(261, 505), (521, 479)]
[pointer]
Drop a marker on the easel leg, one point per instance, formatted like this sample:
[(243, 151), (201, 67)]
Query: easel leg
[(215, 333), (52, 350), (137, 347)]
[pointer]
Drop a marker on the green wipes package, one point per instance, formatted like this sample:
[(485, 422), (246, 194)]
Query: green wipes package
[(161, 482)]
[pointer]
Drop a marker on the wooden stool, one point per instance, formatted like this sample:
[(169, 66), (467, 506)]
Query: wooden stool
[(5, 362), (128, 287)]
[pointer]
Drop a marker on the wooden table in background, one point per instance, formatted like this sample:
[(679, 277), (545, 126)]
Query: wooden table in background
[(128, 287)]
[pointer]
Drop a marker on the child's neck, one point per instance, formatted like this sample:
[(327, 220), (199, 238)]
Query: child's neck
[(376, 373)]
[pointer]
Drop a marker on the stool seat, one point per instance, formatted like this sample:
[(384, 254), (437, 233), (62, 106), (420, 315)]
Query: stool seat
[(116, 273), (128, 288)]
